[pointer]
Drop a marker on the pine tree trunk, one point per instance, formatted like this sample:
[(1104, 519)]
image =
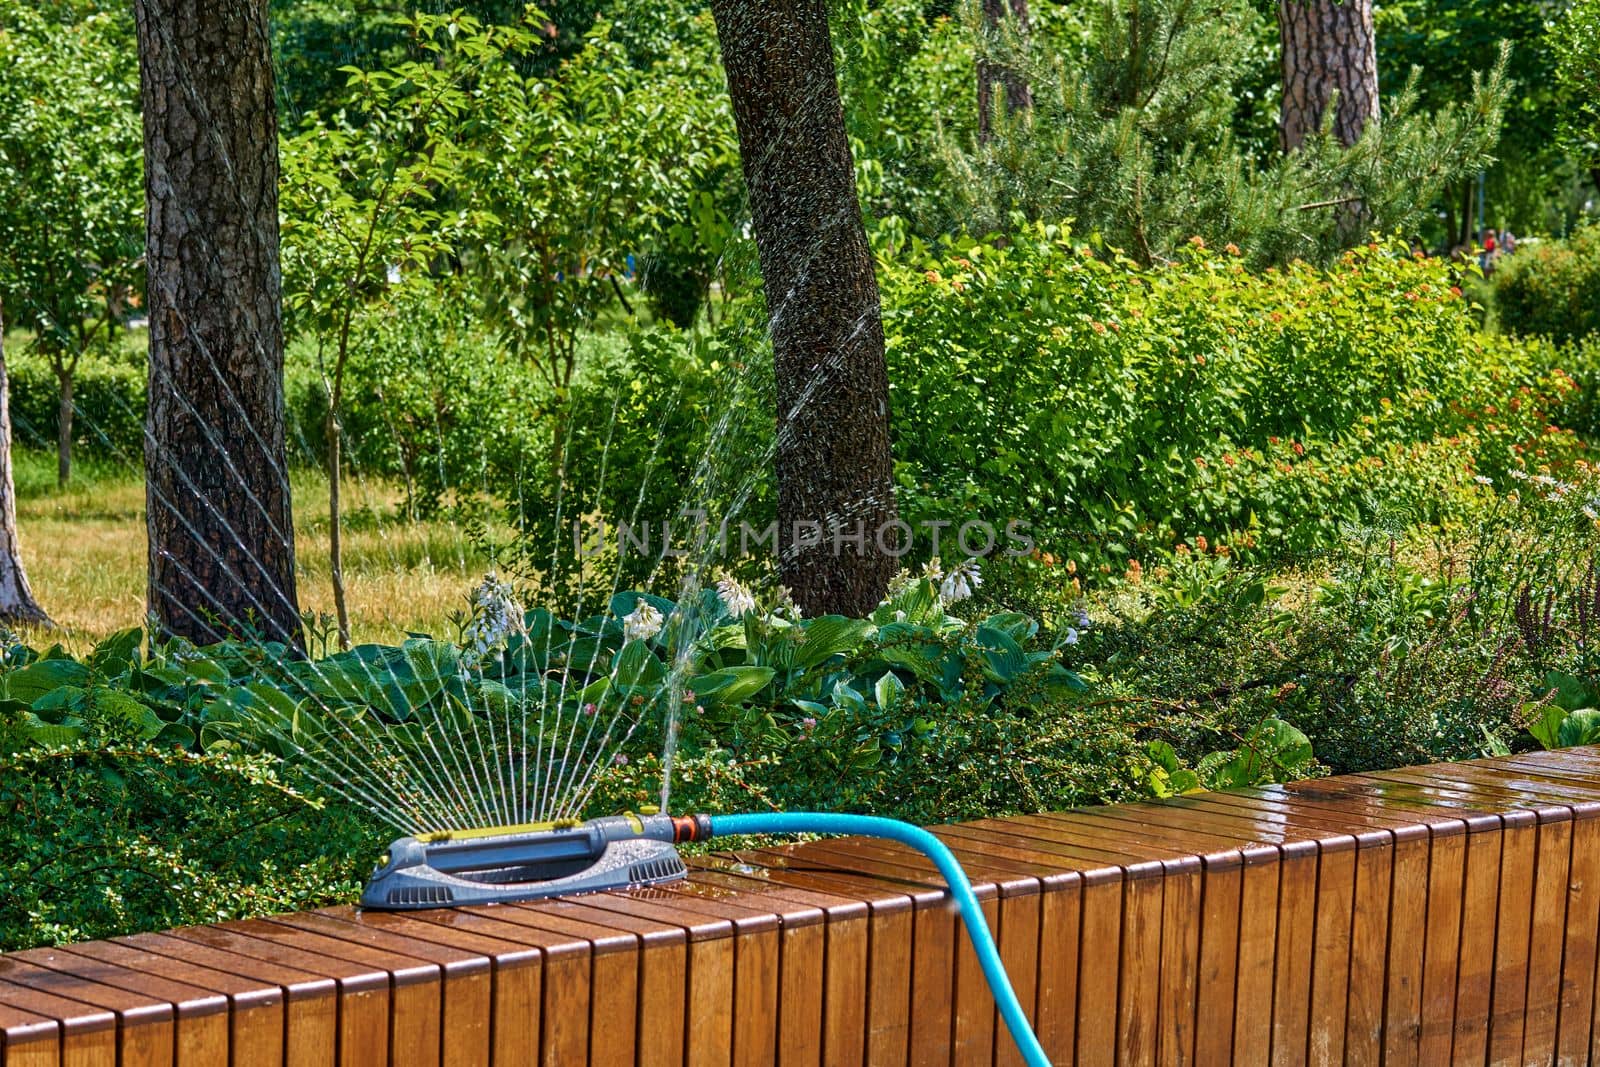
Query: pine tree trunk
[(16, 596), (221, 537), (1328, 47), (833, 462), (63, 427), (1019, 95)]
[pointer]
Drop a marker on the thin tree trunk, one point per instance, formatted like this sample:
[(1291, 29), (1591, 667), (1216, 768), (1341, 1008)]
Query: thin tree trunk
[(835, 477), (336, 529), (1019, 94), (1328, 48), (221, 535), (63, 427), (16, 596)]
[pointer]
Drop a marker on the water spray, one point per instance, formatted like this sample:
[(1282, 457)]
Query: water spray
[(529, 862)]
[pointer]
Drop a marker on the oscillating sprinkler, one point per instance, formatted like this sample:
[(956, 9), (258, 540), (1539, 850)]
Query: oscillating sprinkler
[(503, 864), (514, 863)]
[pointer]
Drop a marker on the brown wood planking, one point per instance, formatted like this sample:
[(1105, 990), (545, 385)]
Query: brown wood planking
[(310, 1030), (29, 1040), (1296, 931), (1582, 935), (1448, 913), (256, 1012), (145, 1025), (88, 1034), (200, 1014)]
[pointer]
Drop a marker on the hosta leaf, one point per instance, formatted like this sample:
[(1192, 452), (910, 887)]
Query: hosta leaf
[(35, 680), (828, 636)]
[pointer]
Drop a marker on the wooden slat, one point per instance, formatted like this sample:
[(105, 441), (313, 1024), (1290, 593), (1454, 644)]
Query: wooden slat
[(146, 1025), (1291, 994), (88, 1034), (1582, 934), (200, 1015), (256, 1012), (310, 1033), (1416, 916), (27, 1039)]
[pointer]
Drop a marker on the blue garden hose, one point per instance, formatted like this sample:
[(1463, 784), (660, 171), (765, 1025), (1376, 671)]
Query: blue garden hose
[(797, 822)]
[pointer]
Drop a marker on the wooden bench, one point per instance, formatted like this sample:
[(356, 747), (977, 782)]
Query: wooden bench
[(1442, 914)]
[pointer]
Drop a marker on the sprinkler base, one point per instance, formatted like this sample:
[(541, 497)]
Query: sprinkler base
[(502, 865)]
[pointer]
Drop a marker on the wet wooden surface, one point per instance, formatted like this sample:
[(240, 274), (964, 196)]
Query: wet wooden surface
[(1430, 915)]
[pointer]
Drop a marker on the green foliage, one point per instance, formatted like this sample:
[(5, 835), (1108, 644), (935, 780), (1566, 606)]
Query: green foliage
[(580, 170), (1452, 44), (430, 398), (1549, 289), (1575, 40), (115, 823), (71, 188), (1567, 716), (1132, 137), (107, 398), (1120, 410)]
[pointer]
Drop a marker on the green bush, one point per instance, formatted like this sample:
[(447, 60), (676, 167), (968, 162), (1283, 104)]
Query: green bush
[(430, 398), (108, 402), (1120, 411), (1551, 289), (110, 828)]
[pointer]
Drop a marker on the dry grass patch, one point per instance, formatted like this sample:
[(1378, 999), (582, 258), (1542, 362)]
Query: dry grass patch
[(84, 548)]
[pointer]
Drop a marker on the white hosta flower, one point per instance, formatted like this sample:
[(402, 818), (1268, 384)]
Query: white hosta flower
[(960, 582), (643, 622), (495, 616), (900, 584), (735, 597), (786, 605), (933, 570)]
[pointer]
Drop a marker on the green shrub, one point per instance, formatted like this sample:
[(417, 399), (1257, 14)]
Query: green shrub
[(107, 396), (1403, 644), (1121, 410), (1551, 289), (1581, 412), (109, 829)]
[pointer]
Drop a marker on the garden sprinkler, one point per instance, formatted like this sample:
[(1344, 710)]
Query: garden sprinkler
[(511, 863), (502, 864)]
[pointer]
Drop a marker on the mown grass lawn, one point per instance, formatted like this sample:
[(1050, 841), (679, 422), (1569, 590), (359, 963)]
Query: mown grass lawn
[(84, 548)]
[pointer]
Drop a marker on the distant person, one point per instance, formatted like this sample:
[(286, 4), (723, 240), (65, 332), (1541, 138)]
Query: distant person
[(1486, 257), (1508, 243)]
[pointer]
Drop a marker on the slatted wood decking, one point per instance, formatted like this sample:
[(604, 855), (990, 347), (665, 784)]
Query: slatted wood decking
[(1443, 914)]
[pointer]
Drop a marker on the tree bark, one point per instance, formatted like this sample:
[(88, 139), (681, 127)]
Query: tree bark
[(221, 557), (1328, 48), (1019, 95), (835, 475), (16, 595)]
